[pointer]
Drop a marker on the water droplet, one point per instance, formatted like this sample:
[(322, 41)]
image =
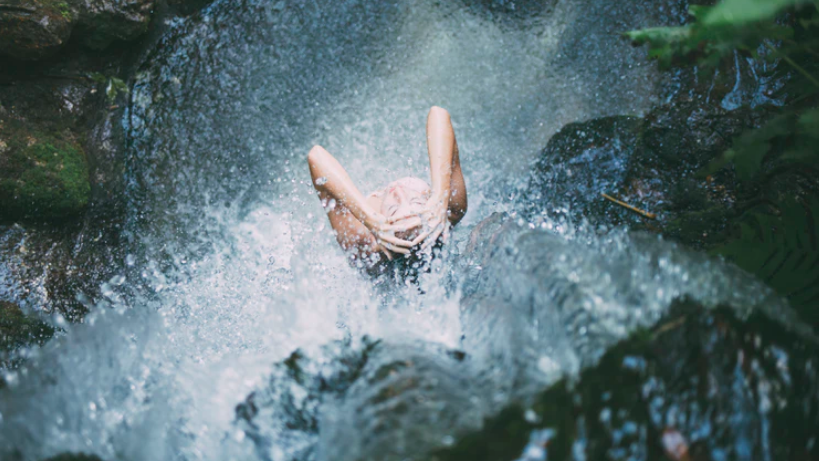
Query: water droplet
[(130, 260), (321, 181)]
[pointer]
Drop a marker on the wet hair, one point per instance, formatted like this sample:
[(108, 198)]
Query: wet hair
[(411, 183)]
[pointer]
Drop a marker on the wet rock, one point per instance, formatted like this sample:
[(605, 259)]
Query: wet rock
[(43, 175), (383, 401), (700, 385), (582, 160), (74, 457), (103, 21), (651, 163), (33, 29), (19, 330)]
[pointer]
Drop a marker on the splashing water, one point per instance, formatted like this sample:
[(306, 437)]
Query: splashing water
[(230, 263)]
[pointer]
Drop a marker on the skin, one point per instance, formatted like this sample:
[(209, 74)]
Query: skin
[(407, 212)]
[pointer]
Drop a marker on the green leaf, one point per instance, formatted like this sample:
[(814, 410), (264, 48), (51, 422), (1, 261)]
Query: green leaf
[(783, 251), (739, 12), (809, 124), (750, 148)]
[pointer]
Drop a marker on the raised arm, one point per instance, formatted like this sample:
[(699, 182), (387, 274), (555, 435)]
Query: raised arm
[(358, 226), (448, 184), (447, 203)]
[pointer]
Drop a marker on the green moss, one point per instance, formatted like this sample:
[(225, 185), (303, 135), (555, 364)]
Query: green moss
[(42, 176), (65, 10)]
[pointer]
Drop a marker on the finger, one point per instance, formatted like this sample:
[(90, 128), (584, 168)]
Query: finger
[(387, 254), (406, 225), (394, 219), (421, 237), (394, 240), (396, 249), (432, 238)]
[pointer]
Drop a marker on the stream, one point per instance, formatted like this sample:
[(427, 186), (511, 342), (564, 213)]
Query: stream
[(228, 263)]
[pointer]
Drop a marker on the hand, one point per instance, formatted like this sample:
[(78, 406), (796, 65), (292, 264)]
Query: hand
[(384, 233), (434, 218)]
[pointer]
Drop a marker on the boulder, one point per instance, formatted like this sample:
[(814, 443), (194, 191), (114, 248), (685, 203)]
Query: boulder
[(33, 29), (702, 384), (380, 401), (103, 21), (652, 163), (582, 160), (43, 176), (19, 330), (74, 457)]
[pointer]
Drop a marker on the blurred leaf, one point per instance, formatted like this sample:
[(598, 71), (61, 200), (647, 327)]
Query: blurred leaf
[(782, 250), (750, 149), (741, 12), (809, 124)]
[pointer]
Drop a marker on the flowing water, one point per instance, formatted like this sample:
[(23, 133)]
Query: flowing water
[(229, 265)]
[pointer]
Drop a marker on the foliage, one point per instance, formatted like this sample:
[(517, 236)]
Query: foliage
[(780, 248), (783, 250), (753, 27), (787, 138), (113, 85)]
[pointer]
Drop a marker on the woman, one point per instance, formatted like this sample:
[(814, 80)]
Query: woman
[(407, 212)]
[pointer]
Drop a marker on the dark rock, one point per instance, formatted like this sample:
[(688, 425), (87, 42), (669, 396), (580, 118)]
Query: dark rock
[(581, 161), (18, 330), (703, 384), (651, 163), (33, 29), (42, 175), (383, 401), (103, 21), (74, 457)]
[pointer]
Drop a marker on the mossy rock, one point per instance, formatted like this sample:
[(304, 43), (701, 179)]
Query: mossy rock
[(34, 29), (43, 176), (19, 330)]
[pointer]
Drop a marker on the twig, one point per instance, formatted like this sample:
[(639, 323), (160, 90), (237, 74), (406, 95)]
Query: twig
[(632, 208)]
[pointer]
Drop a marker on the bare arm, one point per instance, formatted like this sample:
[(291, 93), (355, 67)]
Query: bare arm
[(448, 184), (358, 227)]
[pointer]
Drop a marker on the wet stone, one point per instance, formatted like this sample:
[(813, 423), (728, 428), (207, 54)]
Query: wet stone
[(579, 162), (700, 385), (382, 401), (103, 21), (18, 329), (34, 29), (73, 457), (652, 163)]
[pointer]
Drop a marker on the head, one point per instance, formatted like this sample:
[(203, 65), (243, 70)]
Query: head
[(406, 196)]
